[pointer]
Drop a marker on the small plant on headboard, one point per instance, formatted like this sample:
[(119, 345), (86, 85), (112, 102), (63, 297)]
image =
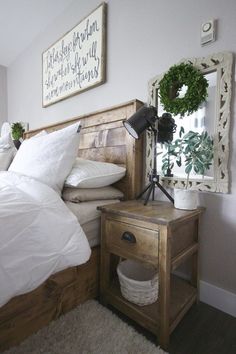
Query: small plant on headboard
[(17, 130)]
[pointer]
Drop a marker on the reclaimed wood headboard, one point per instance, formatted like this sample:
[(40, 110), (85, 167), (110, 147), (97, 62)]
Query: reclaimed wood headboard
[(104, 138)]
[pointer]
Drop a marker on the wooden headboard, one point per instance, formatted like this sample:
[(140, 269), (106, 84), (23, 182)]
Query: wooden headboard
[(104, 138)]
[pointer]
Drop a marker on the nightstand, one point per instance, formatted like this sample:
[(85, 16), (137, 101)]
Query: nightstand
[(163, 237)]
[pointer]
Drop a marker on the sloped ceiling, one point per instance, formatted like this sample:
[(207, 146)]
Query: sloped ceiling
[(21, 21)]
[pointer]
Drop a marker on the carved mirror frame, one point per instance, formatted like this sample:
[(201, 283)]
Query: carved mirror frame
[(222, 63)]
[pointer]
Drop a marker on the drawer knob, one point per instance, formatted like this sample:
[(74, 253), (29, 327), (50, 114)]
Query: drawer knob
[(129, 237)]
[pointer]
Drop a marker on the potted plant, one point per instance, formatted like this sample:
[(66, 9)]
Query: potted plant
[(195, 150), (17, 131)]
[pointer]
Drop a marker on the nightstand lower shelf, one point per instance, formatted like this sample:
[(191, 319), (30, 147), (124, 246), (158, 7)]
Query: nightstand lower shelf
[(183, 295)]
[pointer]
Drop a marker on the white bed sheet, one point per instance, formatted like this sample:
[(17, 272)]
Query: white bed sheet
[(92, 230), (90, 218), (39, 236), (87, 211)]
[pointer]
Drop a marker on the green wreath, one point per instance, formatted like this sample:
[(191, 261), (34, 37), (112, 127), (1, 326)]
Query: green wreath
[(171, 83)]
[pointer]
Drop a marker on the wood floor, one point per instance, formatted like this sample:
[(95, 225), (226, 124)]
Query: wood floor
[(204, 330)]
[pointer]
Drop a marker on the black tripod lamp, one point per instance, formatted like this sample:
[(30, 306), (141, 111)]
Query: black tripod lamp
[(162, 128)]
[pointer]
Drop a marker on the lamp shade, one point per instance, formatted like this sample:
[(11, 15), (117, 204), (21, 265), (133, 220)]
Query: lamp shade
[(140, 121)]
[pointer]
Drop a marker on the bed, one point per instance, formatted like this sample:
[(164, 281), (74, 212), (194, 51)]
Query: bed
[(103, 138)]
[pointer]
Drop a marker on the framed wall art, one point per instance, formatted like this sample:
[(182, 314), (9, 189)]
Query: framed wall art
[(76, 62)]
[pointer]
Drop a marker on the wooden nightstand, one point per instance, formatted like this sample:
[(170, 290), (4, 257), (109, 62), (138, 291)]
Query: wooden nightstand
[(164, 237)]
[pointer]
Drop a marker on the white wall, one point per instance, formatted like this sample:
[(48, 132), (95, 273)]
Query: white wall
[(144, 39), (3, 94)]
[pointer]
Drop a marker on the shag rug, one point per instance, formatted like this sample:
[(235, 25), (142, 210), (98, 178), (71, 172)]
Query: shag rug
[(88, 329)]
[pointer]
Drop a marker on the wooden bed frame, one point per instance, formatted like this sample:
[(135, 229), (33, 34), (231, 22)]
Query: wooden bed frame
[(103, 138)]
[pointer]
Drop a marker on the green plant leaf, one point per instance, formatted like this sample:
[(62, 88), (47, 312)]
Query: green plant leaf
[(188, 169), (181, 132), (17, 130)]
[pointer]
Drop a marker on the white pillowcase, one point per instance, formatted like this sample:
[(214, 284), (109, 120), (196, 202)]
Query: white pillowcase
[(48, 158), (94, 174), (6, 142), (6, 158), (7, 151), (41, 133), (6, 128), (77, 195)]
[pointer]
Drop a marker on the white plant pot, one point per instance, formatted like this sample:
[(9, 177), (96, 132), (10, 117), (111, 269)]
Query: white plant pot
[(185, 199)]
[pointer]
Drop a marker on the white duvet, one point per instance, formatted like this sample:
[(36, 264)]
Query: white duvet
[(39, 236)]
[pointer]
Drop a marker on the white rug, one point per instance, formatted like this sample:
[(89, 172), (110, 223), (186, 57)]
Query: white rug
[(89, 329)]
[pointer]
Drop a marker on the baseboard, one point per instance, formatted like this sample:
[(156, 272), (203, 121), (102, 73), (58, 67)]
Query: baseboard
[(214, 296), (217, 297)]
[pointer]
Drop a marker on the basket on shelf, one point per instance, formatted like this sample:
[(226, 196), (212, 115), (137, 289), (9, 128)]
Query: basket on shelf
[(138, 284)]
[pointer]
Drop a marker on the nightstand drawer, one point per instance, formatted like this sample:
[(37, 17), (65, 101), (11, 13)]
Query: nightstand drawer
[(132, 241)]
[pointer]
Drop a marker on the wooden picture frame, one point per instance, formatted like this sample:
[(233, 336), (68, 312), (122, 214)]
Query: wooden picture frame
[(76, 62)]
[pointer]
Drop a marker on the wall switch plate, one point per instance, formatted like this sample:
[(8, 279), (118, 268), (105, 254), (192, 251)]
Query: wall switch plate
[(208, 32)]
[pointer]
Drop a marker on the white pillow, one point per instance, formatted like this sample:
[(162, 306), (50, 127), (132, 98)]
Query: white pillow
[(48, 158), (41, 133), (6, 142), (94, 174), (6, 158), (7, 151), (6, 128), (77, 195)]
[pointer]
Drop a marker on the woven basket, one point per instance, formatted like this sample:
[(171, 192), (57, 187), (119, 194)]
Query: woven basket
[(137, 283)]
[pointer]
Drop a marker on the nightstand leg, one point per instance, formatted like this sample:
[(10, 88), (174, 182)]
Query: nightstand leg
[(164, 287), (105, 264), (195, 272), (104, 276)]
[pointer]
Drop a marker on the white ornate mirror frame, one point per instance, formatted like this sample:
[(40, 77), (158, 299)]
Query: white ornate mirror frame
[(221, 63)]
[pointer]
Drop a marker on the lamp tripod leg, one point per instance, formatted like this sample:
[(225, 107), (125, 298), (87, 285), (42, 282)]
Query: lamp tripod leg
[(144, 190), (165, 192), (153, 193), (152, 187)]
